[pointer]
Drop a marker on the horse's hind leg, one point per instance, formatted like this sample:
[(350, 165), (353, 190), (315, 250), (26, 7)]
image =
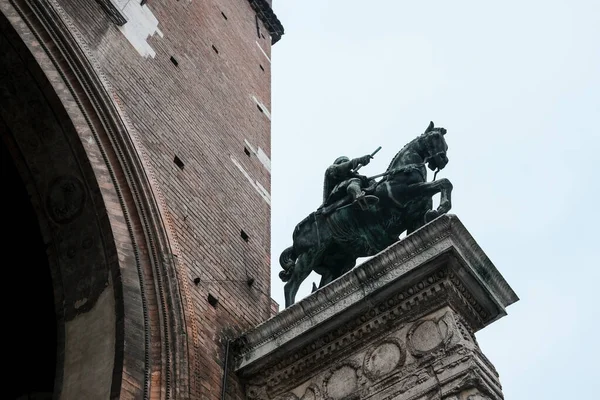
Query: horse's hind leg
[(420, 219), (332, 274), (326, 278), (301, 271)]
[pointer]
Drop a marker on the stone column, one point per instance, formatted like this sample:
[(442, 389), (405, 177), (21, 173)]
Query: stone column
[(400, 326)]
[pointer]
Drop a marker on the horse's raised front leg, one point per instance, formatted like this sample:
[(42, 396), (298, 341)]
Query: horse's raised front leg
[(429, 189), (302, 269), (446, 193), (444, 186)]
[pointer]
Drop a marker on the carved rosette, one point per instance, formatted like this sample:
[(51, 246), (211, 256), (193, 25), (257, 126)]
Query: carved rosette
[(428, 336), (384, 358), (65, 199), (345, 381)]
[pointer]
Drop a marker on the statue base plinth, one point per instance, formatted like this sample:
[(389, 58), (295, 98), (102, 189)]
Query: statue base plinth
[(399, 326)]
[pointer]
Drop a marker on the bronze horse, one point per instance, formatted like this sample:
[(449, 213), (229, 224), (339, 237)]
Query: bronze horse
[(330, 244)]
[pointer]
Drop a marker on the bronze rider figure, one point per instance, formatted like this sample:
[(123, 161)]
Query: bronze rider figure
[(343, 185)]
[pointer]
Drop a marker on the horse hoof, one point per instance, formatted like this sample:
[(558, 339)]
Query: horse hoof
[(431, 215)]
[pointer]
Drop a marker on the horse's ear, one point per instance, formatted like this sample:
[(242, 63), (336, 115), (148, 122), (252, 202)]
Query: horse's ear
[(430, 127)]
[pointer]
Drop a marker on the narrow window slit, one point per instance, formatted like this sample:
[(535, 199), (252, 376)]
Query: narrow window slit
[(215, 49), (174, 61), (261, 67), (247, 151), (212, 300), (244, 236), (259, 108), (178, 162), (223, 14)]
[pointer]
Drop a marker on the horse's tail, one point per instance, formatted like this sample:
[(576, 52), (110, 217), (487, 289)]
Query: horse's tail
[(287, 260)]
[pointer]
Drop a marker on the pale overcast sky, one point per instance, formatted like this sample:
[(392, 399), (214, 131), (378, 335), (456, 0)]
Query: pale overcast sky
[(517, 85)]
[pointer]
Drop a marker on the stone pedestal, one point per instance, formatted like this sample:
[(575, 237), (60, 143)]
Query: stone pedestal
[(399, 326)]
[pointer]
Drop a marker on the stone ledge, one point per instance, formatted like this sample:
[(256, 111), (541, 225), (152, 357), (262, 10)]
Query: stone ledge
[(409, 269)]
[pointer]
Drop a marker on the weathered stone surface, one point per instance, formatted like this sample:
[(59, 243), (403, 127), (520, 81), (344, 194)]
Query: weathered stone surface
[(399, 326)]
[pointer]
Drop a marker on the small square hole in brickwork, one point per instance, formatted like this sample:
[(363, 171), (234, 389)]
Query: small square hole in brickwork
[(196, 281), (223, 14), (250, 282), (244, 236), (174, 61), (178, 162), (247, 151), (261, 67), (212, 300), (215, 49)]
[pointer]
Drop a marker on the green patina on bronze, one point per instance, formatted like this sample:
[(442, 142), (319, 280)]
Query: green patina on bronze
[(361, 216)]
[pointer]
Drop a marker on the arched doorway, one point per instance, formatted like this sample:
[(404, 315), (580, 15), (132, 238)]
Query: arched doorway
[(28, 293), (87, 228), (59, 229)]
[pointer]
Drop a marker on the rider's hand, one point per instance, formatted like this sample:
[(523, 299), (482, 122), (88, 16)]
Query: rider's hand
[(364, 160)]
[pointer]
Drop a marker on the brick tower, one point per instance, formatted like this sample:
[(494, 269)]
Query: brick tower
[(136, 169)]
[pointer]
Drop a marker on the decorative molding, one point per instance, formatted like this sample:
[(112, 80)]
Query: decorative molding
[(483, 267), (267, 16), (140, 200), (402, 321), (444, 240), (446, 367), (360, 329), (342, 290)]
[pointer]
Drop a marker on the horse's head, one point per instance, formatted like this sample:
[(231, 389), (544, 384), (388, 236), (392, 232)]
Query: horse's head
[(435, 147)]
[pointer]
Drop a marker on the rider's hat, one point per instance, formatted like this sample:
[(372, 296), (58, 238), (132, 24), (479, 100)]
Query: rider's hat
[(341, 159)]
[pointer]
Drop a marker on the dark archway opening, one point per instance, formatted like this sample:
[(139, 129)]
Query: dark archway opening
[(28, 299)]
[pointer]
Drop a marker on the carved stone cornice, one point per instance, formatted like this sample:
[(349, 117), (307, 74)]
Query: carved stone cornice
[(267, 16), (438, 264)]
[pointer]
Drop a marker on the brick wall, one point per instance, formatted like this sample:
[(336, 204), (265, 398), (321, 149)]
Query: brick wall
[(202, 110)]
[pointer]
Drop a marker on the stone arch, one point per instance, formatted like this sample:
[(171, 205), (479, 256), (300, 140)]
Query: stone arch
[(120, 297)]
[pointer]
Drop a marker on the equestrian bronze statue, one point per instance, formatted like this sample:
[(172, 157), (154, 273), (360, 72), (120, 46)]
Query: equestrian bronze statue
[(361, 216)]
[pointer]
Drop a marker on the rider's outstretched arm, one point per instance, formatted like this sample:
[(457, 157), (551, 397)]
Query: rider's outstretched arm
[(344, 169)]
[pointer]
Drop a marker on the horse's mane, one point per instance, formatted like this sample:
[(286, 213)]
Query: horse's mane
[(403, 149)]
